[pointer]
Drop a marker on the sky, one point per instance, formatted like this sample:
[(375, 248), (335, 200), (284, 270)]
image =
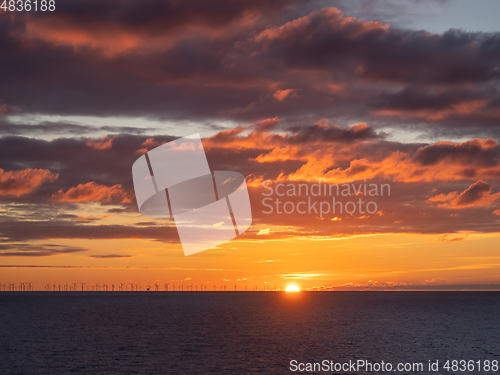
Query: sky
[(334, 94)]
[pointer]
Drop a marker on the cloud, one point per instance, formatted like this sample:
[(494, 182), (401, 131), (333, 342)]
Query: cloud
[(110, 256), (105, 143), (448, 238), (29, 250), (21, 182), (268, 123), (484, 152), (151, 26), (6, 109), (282, 94), (246, 62), (320, 133), (92, 217), (477, 195), (93, 192), (331, 153), (25, 230), (62, 128)]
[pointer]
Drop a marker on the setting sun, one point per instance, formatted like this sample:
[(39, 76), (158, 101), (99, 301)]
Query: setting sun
[(292, 288)]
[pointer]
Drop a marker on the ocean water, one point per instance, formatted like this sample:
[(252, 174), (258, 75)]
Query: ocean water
[(240, 332)]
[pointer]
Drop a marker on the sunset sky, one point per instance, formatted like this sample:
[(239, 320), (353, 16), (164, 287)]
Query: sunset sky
[(404, 93)]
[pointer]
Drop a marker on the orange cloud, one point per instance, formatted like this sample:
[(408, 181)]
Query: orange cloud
[(17, 183), (320, 147), (105, 143), (93, 192)]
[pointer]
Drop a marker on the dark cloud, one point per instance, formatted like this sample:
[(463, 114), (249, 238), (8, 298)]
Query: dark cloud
[(64, 129)]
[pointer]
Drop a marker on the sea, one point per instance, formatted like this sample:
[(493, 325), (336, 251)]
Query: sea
[(247, 332)]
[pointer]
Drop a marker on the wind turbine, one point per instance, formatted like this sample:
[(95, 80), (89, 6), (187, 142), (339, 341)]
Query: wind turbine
[(156, 286), (166, 287), (121, 287), (74, 286)]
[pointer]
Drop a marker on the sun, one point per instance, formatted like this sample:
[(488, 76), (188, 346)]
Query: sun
[(292, 288)]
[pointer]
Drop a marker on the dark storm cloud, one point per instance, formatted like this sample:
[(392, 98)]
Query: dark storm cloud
[(86, 174), (209, 61)]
